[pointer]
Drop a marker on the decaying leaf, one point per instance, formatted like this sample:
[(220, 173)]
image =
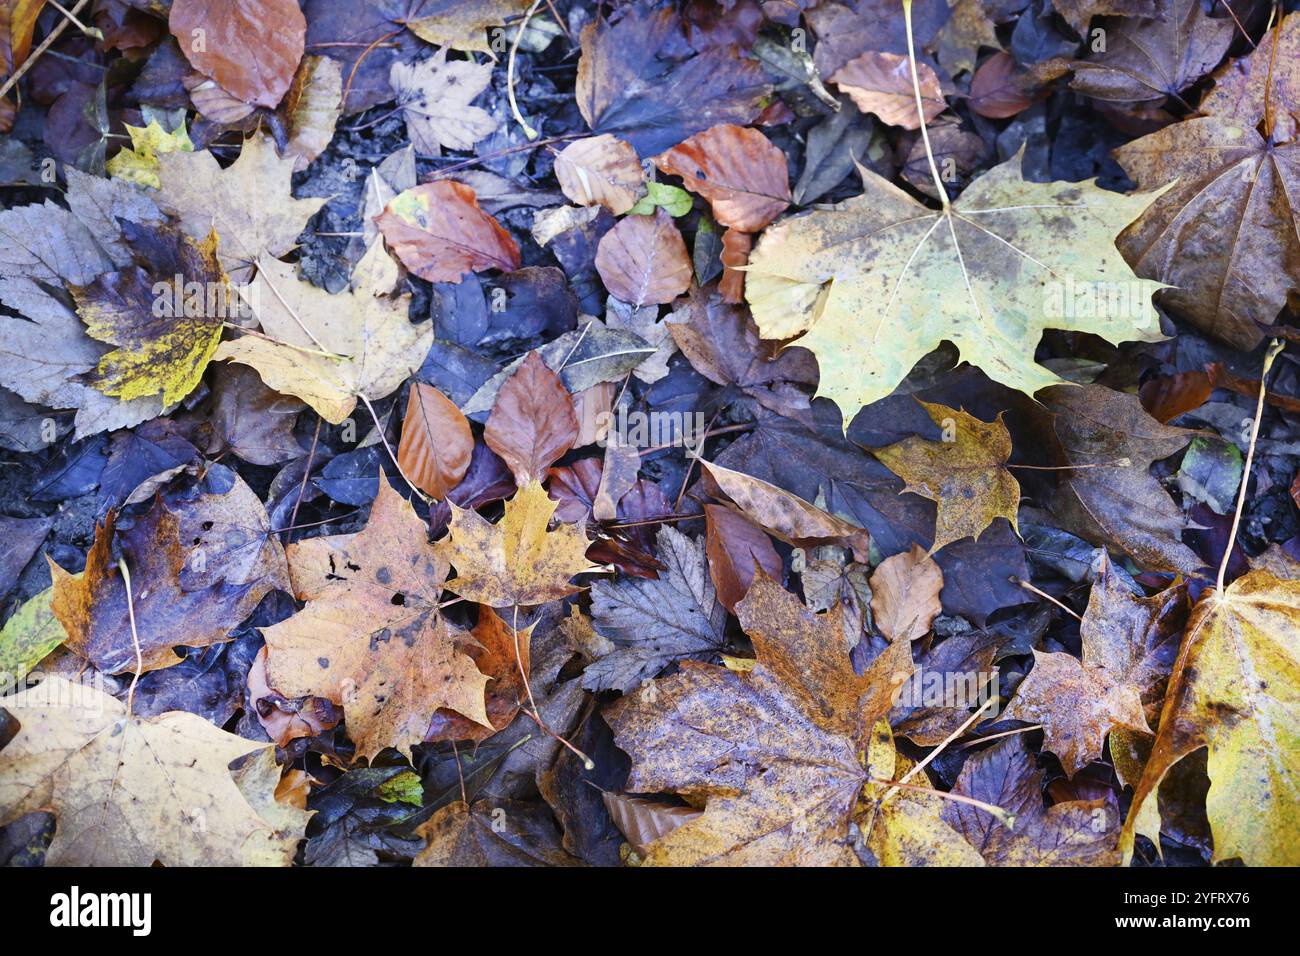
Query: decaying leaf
[(1235, 689), (738, 170), (370, 636), (880, 280), (435, 97), (532, 423), (965, 473), (249, 47)]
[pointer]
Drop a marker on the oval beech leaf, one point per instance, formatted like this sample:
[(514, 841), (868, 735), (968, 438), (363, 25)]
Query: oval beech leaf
[(439, 232), (881, 83), (436, 441), (251, 48), (601, 170), (738, 170), (905, 594), (995, 89), (532, 423), (643, 260), (737, 548), (642, 820)]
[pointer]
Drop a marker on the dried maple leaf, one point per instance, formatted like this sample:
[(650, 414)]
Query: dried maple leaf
[(1114, 500), (436, 443), (504, 658), (1242, 86), (1073, 833), (505, 833), (905, 595), (1151, 58), (965, 475), (740, 172), (249, 47), (532, 422), (1235, 689), (1225, 281), (652, 623), (435, 95), (129, 791), (249, 203), (329, 350), (439, 232), (171, 608), (880, 280), (157, 350), (643, 260), (1128, 647), (881, 83), (370, 636), (789, 732), (516, 561), (601, 170)]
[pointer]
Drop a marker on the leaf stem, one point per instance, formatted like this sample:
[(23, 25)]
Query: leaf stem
[(920, 110), (510, 72), (135, 635)]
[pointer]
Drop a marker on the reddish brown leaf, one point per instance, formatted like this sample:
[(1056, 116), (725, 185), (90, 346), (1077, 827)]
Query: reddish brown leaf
[(738, 170), (643, 260), (996, 90), (1167, 397), (881, 83), (532, 423), (1222, 377), (251, 48), (439, 232), (495, 655), (436, 441), (735, 256), (737, 548)]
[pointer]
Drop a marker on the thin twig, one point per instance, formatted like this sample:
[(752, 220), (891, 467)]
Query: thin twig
[(28, 63), (135, 635), (1043, 594), (379, 429), (510, 72)]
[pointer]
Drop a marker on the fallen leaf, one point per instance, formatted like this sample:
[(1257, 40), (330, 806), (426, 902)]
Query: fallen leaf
[(880, 280), (1241, 87), (738, 170), (139, 164), (370, 636), (643, 260), (249, 203), (436, 444), (905, 595), (330, 350), (312, 108), (652, 623), (28, 637), (964, 474), (643, 821), (881, 83), (998, 88), (250, 420), (502, 656), (1234, 690), (1168, 396), (249, 47), (532, 422), (515, 562), (17, 25), (439, 232), (435, 96), (737, 549), (1224, 281), (508, 834), (601, 170), (462, 24), (128, 791)]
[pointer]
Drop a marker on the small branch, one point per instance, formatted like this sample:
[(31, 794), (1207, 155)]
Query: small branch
[(1043, 594), (510, 72), (36, 54)]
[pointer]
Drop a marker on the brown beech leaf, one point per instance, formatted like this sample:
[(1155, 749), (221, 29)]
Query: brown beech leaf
[(1168, 396), (370, 636), (965, 473), (436, 442), (532, 423), (1073, 833), (601, 170), (905, 595), (881, 83), (249, 419), (171, 609), (787, 516), (439, 232), (249, 47), (502, 657), (515, 561), (736, 246), (1151, 58), (1227, 282), (737, 549), (1115, 500), (642, 821), (643, 260), (740, 172), (997, 90), (787, 788)]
